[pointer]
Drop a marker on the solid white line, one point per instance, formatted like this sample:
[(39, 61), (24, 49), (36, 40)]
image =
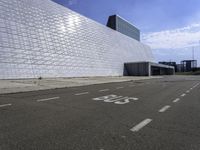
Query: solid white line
[(119, 87), (188, 91), (164, 108), (141, 125), (176, 100), (5, 105), (47, 99), (183, 95), (104, 90), (191, 88), (82, 93)]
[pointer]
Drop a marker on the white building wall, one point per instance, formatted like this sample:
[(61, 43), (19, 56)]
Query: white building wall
[(42, 38)]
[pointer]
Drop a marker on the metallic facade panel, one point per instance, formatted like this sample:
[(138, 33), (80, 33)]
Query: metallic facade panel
[(42, 38)]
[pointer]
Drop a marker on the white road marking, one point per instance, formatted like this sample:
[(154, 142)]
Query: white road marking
[(195, 86), (119, 87), (134, 98), (5, 105), (102, 98), (84, 93), (104, 90), (164, 108), (141, 125), (113, 99), (191, 88), (188, 91), (125, 100), (183, 95), (176, 100), (47, 99), (116, 99)]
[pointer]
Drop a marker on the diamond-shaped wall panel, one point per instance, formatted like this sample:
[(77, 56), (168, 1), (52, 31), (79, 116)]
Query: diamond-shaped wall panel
[(42, 38)]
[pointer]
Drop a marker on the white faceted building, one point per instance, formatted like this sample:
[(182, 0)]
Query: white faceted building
[(39, 38)]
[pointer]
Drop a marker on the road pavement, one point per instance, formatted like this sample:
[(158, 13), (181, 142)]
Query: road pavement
[(156, 114)]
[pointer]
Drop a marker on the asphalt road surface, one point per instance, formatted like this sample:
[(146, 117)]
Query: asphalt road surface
[(157, 114)]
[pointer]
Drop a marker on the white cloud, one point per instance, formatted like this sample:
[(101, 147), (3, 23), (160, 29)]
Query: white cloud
[(72, 2), (174, 39)]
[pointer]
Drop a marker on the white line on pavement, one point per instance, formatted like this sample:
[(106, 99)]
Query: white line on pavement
[(176, 100), (112, 99), (164, 108), (104, 90), (82, 93), (183, 95), (47, 99), (119, 87), (5, 105), (188, 91), (141, 125), (195, 86)]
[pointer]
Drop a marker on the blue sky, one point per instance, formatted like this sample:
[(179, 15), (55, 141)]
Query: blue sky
[(170, 27)]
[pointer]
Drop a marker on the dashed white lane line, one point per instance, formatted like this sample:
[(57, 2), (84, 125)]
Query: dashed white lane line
[(176, 100), (84, 93), (119, 87), (183, 95), (188, 91), (141, 125), (47, 99), (104, 90), (195, 86), (5, 105), (164, 108)]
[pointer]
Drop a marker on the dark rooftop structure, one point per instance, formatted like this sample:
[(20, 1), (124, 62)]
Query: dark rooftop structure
[(170, 63), (147, 69), (188, 65), (119, 24)]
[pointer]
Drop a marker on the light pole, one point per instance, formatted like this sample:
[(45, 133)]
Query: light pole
[(193, 53), (199, 46)]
